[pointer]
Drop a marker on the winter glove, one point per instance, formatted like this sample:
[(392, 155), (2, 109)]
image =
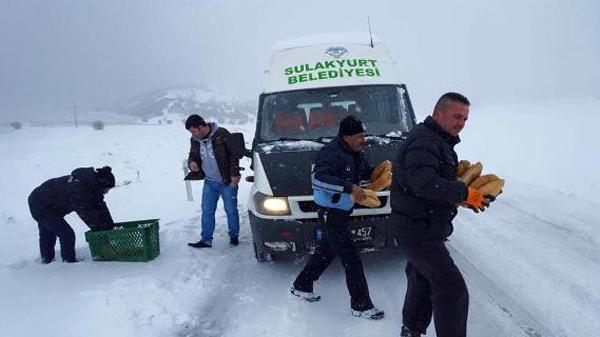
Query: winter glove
[(384, 166), (371, 200), (462, 167), (471, 174), (477, 201)]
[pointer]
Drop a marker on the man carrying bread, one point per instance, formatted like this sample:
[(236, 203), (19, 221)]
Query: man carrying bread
[(339, 167), (425, 195)]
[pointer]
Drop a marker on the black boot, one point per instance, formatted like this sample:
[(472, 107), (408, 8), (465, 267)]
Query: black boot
[(200, 244), (234, 241), (406, 332), (46, 260)]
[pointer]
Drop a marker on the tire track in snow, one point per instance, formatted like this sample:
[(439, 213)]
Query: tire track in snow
[(212, 317), (519, 315)]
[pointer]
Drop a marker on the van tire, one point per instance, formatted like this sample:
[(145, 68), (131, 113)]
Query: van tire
[(261, 257)]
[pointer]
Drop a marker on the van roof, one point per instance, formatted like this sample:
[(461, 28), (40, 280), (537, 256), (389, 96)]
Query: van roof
[(329, 60), (320, 39)]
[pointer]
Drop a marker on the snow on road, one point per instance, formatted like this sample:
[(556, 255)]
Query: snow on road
[(530, 261)]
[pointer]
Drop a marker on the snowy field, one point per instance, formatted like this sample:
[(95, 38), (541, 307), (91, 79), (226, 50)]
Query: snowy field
[(531, 261)]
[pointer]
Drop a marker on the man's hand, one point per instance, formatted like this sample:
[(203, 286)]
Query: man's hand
[(357, 193), (235, 180), (194, 166), (477, 201)]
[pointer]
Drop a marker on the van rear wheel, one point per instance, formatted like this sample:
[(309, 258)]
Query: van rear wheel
[(261, 257)]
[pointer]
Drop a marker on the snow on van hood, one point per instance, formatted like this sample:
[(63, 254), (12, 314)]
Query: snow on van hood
[(288, 164), (291, 146)]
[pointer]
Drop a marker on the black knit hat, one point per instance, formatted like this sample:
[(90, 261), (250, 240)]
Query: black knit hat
[(104, 177), (351, 125), (194, 121)]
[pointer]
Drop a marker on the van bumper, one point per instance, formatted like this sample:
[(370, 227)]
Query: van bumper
[(294, 237)]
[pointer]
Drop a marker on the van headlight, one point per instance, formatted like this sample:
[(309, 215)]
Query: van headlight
[(269, 205)]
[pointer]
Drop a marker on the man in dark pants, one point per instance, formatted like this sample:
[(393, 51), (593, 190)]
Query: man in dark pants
[(339, 167), (424, 196), (83, 192)]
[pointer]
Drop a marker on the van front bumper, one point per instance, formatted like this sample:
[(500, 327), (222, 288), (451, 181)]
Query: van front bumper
[(300, 236)]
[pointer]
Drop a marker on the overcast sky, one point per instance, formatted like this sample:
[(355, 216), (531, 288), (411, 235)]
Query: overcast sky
[(57, 53)]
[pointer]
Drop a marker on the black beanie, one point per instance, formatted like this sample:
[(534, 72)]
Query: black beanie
[(105, 178), (194, 121), (351, 125)]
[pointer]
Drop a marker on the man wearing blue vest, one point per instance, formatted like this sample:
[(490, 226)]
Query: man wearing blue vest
[(339, 167)]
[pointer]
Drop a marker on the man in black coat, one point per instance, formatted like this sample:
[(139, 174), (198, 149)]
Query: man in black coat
[(339, 167), (83, 192), (424, 199)]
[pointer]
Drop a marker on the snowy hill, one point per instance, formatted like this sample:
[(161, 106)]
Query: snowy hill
[(160, 106), (530, 261), (216, 103)]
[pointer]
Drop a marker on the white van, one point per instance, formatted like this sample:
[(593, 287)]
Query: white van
[(311, 84)]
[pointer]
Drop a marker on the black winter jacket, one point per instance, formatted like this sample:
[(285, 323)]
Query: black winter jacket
[(229, 166), (337, 169), (79, 192), (425, 193)]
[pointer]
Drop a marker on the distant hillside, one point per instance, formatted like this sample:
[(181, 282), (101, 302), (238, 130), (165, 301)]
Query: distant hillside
[(169, 105), (214, 104)]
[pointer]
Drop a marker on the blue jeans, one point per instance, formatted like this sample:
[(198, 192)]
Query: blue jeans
[(211, 192)]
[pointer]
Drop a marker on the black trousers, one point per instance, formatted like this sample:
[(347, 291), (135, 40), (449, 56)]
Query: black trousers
[(337, 241), (435, 286), (52, 226)]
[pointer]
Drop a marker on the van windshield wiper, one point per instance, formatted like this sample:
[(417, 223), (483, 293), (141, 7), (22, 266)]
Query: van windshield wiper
[(324, 139), (401, 136), (284, 139)]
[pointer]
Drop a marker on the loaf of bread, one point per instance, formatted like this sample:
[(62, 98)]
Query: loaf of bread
[(482, 180), (462, 167), (384, 166), (472, 173), (383, 181), (493, 187), (371, 200)]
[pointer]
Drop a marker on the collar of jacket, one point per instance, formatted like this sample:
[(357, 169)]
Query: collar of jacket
[(430, 123), (212, 129), (343, 144)]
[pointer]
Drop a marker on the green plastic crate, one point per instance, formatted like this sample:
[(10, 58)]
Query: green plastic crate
[(135, 241)]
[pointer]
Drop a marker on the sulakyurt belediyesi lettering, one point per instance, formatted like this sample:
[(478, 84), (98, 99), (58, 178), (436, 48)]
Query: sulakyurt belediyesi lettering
[(331, 69)]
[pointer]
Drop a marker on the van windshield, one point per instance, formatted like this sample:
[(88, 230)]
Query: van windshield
[(316, 113)]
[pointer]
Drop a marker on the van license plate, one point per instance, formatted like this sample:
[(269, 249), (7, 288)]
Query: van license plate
[(362, 233)]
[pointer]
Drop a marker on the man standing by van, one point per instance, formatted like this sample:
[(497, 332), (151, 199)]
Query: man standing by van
[(211, 160), (339, 167), (424, 196)]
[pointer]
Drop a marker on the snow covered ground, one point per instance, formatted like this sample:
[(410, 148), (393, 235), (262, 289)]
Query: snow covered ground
[(531, 261)]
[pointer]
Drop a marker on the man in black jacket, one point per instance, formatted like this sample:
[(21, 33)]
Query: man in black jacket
[(212, 159), (424, 196), (83, 192), (339, 167)]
